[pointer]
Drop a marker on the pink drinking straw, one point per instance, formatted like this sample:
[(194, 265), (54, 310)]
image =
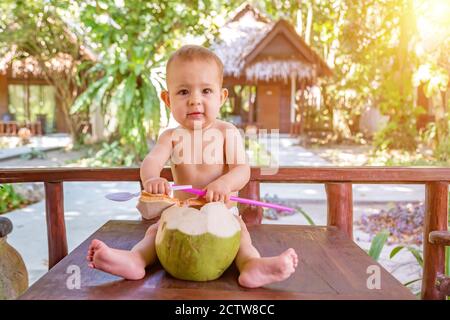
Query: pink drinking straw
[(244, 201)]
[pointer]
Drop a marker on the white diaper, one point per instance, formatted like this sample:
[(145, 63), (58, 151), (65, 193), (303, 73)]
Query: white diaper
[(234, 210)]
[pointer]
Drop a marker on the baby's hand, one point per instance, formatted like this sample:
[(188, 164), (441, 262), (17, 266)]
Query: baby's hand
[(157, 185), (217, 191)]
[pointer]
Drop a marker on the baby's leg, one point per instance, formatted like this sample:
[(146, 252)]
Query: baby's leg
[(256, 271), (124, 263)]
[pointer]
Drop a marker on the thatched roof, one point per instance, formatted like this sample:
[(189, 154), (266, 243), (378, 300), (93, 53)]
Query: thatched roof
[(25, 66), (20, 64), (242, 40)]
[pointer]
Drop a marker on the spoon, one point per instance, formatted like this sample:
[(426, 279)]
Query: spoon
[(125, 196)]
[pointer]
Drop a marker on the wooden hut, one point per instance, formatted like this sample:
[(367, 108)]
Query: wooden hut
[(27, 97), (265, 64)]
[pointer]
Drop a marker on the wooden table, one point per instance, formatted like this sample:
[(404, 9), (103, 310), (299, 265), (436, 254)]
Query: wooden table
[(331, 266)]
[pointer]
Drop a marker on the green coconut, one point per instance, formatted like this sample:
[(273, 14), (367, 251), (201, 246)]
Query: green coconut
[(197, 245)]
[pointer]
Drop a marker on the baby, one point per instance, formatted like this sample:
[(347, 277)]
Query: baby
[(206, 153)]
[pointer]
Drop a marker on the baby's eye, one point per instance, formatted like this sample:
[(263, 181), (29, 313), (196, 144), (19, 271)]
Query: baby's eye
[(183, 92), (207, 91)]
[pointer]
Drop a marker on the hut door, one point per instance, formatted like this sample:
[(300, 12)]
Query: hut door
[(268, 108)]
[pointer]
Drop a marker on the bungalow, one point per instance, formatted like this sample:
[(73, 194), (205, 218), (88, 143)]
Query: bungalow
[(267, 65), (27, 96)]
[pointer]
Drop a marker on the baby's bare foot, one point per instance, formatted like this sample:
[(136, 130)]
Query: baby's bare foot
[(258, 272), (118, 262)]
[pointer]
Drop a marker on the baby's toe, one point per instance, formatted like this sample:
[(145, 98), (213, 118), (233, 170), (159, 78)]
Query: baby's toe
[(96, 244), (295, 260), (93, 245)]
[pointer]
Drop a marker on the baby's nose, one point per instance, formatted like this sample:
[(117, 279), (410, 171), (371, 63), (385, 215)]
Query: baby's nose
[(194, 101)]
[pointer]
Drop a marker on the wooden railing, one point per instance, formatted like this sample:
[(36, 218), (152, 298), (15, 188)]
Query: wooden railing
[(338, 185), (11, 128)]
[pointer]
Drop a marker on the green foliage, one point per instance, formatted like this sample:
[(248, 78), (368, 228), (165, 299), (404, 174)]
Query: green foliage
[(439, 142), (258, 155), (372, 49), (416, 253), (377, 244), (305, 215), (396, 135), (370, 45), (9, 199), (34, 154), (385, 157), (135, 38), (108, 155)]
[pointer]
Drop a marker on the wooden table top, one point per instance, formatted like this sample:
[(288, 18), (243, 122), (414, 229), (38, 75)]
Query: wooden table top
[(330, 267)]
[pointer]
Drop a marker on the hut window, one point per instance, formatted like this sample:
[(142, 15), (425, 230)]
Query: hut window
[(248, 96), (33, 103)]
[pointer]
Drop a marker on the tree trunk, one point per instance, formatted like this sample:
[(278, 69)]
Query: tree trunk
[(66, 101), (309, 20), (407, 30)]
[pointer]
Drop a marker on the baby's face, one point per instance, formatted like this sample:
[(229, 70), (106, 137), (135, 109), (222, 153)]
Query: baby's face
[(194, 92)]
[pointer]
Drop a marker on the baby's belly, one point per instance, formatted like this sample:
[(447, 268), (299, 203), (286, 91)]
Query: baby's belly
[(198, 176)]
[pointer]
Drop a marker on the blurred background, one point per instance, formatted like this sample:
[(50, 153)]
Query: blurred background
[(346, 83)]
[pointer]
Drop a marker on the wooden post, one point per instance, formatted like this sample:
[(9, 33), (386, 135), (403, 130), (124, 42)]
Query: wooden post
[(340, 207), (251, 214), (436, 219), (301, 109), (56, 227), (251, 113), (3, 94), (292, 98)]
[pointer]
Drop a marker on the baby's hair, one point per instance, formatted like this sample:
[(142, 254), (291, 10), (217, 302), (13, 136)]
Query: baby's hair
[(194, 52)]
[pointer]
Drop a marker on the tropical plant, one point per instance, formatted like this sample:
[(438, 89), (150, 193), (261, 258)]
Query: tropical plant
[(379, 241), (377, 244), (134, 39), (418, 255), (305, 215), (376, 50)]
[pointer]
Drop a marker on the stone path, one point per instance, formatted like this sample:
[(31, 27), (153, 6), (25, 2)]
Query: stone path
[(292, 155), (39, 143)]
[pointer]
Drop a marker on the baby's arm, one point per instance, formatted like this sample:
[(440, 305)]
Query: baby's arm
[(239, 171), (153, 164)]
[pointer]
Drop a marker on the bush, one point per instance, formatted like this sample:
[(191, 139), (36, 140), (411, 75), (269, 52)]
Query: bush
[(109, 155), (9, 199), (396, 135), (439, 142)]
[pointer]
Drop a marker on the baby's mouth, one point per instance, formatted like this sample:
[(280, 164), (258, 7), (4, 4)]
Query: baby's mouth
[(195, 114)]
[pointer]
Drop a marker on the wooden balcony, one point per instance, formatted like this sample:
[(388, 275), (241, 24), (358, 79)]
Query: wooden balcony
[(333, 243)]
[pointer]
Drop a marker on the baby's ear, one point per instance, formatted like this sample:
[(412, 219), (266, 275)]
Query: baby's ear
[(224, 95), (165, 98)]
